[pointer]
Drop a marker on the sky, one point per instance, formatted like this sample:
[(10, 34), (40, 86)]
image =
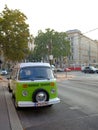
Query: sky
[(60, 15)]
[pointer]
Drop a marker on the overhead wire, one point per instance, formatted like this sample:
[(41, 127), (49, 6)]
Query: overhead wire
[(82, 34), (90, 30)]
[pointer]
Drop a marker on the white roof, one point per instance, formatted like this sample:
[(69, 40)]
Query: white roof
[(34, 64)]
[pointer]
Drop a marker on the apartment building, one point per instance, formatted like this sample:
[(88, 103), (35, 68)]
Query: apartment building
[(83, 49)]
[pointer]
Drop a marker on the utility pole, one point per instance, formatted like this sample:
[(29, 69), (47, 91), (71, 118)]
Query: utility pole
[(89, 53), (50, 56)]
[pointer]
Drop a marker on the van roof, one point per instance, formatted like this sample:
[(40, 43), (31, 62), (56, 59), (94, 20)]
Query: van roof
[(32, 64)]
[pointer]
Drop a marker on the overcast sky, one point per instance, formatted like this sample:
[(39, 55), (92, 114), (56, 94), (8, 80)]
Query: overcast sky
[(60, 15)]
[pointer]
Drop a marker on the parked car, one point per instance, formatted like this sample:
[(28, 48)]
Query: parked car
[(4, 72), (33, 85), (67, 70), (90, 69), (60, 70), (53, 68)]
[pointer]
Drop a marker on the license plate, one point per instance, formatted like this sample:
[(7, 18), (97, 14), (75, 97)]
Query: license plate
[(41, 104)]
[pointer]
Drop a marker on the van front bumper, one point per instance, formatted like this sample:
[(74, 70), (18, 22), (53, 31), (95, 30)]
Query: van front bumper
[(38, 104)]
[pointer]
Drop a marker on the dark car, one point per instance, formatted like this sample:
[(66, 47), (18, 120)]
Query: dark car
[(90, 69)]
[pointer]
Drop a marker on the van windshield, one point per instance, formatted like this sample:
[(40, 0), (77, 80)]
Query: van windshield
[(35, 73)]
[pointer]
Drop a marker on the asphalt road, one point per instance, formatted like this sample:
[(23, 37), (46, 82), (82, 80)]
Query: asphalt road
[(78, 109)]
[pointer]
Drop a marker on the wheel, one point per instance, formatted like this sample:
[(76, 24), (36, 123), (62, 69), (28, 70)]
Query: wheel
[(40, 95), (9, 89), (50, 105), (15, 104), (13, 95)]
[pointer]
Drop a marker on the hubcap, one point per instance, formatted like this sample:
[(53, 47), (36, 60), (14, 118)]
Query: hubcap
[(41, 97)]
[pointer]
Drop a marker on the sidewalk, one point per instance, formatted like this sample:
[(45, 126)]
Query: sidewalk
[(63, 76), (8, 117), (4, 116)]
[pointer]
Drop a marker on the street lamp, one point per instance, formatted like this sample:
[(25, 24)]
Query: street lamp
[(48, 52), (89, 54), (51, 58)]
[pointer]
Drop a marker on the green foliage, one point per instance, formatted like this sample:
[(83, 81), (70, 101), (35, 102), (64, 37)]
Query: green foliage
[(14, 34), (51, 42)]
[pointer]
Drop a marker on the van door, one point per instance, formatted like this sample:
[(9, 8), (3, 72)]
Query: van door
[(14, 80)]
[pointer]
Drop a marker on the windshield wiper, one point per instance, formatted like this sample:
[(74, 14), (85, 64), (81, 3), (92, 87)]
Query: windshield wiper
[(41, 77), (26, 78)]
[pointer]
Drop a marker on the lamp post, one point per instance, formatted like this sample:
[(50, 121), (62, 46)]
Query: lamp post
[(50, 56), (89, 54), (48, 53)]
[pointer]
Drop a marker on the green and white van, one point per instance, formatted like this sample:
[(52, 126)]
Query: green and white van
[(33, 85)]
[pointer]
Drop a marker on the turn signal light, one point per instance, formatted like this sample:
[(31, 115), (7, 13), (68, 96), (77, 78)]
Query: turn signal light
[(52, 84), (25, 86)]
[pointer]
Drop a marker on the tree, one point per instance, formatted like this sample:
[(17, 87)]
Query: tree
[(51, 43), (14, 34)]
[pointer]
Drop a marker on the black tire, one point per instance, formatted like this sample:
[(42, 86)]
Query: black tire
[(9, 89), (37, 98), (15, 104), (13, 95), (50, 105)]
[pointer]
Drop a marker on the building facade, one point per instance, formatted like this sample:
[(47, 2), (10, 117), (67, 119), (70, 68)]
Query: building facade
[(84, 50)]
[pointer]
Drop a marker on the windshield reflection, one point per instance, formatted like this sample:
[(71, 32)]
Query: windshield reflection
[(35, 73)]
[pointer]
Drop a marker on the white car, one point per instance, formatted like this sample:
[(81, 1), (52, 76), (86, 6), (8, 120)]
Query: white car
[(4, 72), (53, 68)]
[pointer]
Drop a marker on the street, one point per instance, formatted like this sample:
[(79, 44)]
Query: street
[(78, 109), (82, 94)]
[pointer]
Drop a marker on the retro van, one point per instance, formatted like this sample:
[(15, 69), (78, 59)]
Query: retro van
[(33, 85)]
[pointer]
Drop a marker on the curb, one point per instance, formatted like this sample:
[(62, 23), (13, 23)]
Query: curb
[(13, 117)]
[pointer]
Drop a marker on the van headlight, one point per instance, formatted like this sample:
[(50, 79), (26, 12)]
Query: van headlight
[(53, 90), (24, 93)]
